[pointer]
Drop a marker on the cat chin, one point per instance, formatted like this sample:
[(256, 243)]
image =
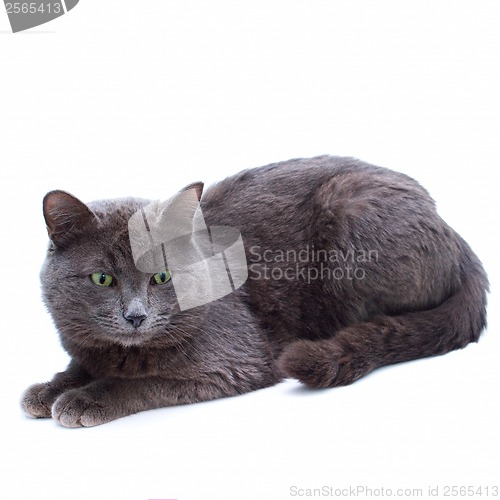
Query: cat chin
[(137, 340), (142, 340), (133, 340)]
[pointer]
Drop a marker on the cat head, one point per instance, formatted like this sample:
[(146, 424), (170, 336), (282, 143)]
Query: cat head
[(91, 285)]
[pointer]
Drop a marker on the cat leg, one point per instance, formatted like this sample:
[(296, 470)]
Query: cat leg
[(38, 399), (110, 398), (357, 349), (330, 363)]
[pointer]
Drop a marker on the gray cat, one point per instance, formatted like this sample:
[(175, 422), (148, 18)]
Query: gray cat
[(349, 268)]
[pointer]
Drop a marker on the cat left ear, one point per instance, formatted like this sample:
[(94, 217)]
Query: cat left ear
[(65, 216), (197, 186)]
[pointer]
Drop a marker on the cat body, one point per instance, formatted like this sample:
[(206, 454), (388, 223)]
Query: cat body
[(349, 268)]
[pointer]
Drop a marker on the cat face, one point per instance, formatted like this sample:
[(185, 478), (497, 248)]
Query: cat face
[(90, 284)]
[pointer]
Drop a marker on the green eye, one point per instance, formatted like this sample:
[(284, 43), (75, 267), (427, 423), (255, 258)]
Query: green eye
[(102, 279), (161, 278)]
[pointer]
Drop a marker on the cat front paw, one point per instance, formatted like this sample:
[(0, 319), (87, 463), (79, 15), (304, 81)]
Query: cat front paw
[(77, 408), (37, 400)]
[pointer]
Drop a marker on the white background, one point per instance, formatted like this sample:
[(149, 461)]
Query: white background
[(141, 98)]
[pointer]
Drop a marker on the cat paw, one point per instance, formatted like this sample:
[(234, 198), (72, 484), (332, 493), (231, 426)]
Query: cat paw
[(77, 408), (37, 400), (310, 363)]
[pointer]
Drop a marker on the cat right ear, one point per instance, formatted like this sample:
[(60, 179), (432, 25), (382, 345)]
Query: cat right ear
[(65, 216), (197, 186)]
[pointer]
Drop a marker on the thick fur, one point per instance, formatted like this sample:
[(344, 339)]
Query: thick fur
[(350, 269)]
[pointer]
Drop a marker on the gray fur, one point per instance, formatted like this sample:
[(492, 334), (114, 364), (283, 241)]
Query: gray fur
[(132, 348)]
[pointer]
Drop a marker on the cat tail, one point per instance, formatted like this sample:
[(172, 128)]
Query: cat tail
[(360, 348)]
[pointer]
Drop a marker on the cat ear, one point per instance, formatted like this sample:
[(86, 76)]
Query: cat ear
[(197, 186), (161, 233), (65, 216)]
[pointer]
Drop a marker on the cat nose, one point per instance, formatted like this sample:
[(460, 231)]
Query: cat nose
[(136, 313), (136, 320)]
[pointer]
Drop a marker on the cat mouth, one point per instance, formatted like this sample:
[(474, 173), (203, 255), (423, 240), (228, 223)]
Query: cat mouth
[(129, 336), (131, 339)]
